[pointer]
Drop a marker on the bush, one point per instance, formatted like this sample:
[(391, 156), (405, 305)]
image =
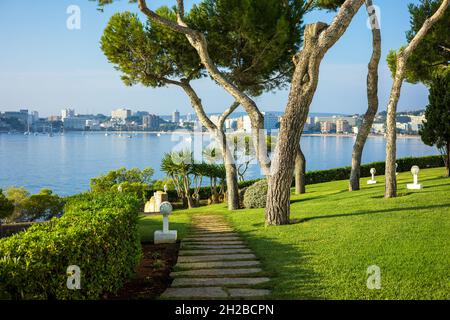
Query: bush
[(255, 195), (42, 206), (105, 182), (6, 206), (98, 233)]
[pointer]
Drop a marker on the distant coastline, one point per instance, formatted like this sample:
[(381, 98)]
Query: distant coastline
[(112, 133)]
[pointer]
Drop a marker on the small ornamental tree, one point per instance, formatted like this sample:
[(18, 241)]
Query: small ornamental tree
[(6, 207), (436, 128), (402, 57)]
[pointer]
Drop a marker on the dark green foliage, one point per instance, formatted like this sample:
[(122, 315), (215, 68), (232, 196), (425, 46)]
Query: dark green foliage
[(151, 54), (328, 4), (6, 206), (98, 233), (432, 55), (256, 195), (436, 129), (113, 179), (253, 39), (44, 205)]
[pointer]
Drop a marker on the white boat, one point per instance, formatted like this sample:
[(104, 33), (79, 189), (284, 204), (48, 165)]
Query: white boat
[(158, 135)]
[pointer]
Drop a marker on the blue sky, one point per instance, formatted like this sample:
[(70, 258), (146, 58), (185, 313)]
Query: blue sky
[(46, 67)]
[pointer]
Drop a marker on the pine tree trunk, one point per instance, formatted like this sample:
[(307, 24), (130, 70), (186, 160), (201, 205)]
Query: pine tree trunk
[(402, 58), (231, 172), (303, 87), (372, 98), (448, 159), (300, 169), (318, 39)]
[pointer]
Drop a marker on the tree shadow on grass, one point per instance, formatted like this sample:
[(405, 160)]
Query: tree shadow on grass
[(285, 265), (362, 213), (318, 197)]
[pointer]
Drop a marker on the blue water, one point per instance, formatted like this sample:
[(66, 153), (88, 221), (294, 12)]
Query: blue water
[(66, 163)]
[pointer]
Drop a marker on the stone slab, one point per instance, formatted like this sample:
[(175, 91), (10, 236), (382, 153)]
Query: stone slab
[(209, 251), (208, 282), (194, 293), (212, 247), (214, 272), (216, 257), (247, 293), (213, 234), (218, 243), (165, 237), (212, 239), (217, 264)]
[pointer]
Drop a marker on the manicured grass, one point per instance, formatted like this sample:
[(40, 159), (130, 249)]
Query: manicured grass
[(178, 220), (341, 234)]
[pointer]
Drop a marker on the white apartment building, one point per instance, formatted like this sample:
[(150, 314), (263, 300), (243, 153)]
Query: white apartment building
[(121, 114)]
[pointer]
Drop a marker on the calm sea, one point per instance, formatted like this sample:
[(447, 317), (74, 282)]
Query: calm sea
[(65, 163)]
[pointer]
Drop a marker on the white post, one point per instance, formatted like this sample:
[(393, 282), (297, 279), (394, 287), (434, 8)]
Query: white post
[(416, 179), (373, 176), (165, 223)]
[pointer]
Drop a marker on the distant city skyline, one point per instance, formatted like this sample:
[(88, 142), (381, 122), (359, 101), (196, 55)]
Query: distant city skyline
[(54, 68)]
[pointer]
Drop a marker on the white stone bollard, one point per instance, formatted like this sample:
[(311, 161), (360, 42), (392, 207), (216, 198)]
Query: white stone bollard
[(415, 185), (372, 172), (166, 235)]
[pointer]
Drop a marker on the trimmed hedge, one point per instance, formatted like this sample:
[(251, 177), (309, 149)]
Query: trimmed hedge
[(98, 233), (404, 165), (321, 176)]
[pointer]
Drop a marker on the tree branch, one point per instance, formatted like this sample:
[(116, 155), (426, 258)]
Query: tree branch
[(226, 114), (340, 23)]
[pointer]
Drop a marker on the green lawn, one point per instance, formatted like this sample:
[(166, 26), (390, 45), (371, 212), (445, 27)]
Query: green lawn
[(179, 220), (341, 234)]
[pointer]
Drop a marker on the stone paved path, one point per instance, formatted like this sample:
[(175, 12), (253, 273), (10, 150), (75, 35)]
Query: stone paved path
[(214, 263)]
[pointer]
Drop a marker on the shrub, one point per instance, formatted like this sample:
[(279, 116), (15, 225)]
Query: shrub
[(44, 205), (6, 206), (255, 195), (98, 233), (105, 182)]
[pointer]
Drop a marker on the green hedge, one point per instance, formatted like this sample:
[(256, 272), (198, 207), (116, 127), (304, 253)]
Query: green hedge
[(404, 165), (320, 176), (98, 233)]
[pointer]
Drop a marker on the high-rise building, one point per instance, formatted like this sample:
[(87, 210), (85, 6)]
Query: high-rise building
[(121, 114), (34, 116), (22, 115), (270, 121), (67, 113), (342, 126), (176, 116), (151, 122), (327, 126)]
